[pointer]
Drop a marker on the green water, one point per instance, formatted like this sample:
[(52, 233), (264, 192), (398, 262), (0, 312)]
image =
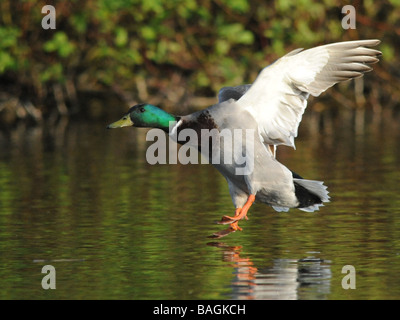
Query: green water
[(84, 200)]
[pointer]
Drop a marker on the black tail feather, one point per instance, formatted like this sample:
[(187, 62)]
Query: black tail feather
[(305, 197)]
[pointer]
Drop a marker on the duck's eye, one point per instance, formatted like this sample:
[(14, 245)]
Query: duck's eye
[(142, 109), (125, 118)]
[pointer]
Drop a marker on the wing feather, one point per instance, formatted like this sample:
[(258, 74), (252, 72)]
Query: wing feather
[(278, 97)]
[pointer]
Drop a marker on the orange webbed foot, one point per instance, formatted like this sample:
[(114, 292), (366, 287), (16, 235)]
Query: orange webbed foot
[(228, 219), (240, 213)]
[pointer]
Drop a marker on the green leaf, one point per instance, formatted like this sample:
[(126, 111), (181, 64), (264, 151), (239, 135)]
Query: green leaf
[(235, 33), (387, 52), (240, 6), (79, 23), (60, 44), (121, 37), (8, 37), (148, 33), (222, 47), (53, 72), (395, 2), (6, 62)]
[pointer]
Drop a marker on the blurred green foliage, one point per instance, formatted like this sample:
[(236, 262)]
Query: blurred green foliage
[(156, 47)]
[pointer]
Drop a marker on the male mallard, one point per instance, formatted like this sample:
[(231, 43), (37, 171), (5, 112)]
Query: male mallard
[(271, 110)]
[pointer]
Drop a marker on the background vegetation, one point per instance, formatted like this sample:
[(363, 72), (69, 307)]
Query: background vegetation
[(176, 53)]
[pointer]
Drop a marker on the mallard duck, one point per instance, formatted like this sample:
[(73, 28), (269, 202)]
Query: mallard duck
[(271, 110)]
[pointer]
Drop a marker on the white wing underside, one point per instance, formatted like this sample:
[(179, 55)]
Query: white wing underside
[(278, 97)]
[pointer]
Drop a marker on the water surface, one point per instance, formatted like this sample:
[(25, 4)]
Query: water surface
[(84, 199)]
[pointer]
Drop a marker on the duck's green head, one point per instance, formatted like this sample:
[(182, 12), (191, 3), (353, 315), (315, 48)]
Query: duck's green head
[(146, 116)]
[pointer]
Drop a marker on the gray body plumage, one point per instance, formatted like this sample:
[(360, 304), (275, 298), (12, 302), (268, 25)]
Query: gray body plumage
[(262, 174), (237, 145)]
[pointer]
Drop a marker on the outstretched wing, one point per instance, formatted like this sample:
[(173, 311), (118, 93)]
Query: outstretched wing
[(278, 97)]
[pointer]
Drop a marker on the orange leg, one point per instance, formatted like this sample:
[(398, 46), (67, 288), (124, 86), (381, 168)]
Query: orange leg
[(234, 225), (240, 213), (237, 211)]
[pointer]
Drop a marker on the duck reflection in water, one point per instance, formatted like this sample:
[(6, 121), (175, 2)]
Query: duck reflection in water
[(285, 279)]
